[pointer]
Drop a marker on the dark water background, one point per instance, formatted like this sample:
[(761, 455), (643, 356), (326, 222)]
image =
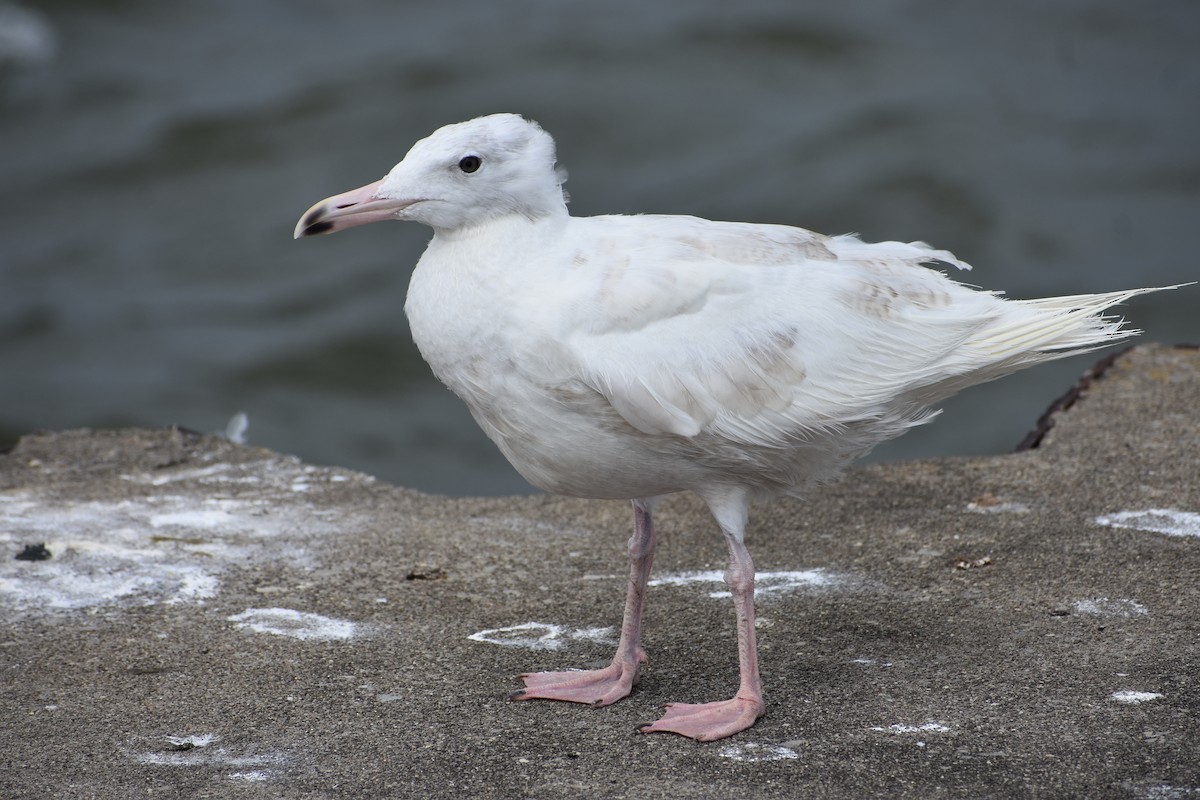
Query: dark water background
[(154, 157)]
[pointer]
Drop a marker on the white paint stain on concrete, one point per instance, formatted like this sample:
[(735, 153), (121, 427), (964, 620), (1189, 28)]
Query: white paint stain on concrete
[(279, 473), (295, 624), (1133, 697), (599, 635), (1106, 607), (766, 584), (217, 473), (1169, 521), (198, 752), (1164, 791), (220, 516), (111, 576), (927, 727), (163, 548), (543, 636), (1001, 507), (253, 776), (756, 751)]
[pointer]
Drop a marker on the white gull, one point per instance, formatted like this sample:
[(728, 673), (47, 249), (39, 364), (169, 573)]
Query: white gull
[(636, 356)]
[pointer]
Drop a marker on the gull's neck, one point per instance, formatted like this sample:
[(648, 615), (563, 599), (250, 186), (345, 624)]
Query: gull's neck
[(505, 227)]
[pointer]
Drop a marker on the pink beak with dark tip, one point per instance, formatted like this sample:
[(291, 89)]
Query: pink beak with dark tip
[(349, 209)]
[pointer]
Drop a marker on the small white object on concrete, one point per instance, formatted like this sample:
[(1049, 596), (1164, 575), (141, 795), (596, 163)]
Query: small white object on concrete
[(1133, 697), (296, 624), (1170, 521)]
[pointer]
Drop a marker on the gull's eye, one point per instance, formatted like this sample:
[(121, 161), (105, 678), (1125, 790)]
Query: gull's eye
[(470, 163)]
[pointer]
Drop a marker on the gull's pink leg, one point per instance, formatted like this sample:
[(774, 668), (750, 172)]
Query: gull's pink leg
[(602, 687), (707, 721)]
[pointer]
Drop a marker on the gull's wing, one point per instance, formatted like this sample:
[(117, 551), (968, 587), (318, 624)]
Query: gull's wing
[(769, 335)]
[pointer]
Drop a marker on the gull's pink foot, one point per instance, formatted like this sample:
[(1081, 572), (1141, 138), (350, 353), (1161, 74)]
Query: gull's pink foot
[(705, 722), (596, 687)]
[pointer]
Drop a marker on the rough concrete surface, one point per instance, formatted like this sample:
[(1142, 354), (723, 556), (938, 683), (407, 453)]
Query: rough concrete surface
[(216, 620)]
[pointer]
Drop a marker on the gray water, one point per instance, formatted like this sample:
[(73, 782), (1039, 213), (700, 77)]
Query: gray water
[(154, 157)]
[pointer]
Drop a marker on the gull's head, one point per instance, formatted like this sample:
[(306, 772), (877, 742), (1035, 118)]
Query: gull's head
[(458, 177)]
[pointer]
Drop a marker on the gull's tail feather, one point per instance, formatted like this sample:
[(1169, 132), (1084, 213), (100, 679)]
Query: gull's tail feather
[(1029, 332), (1053, 327)]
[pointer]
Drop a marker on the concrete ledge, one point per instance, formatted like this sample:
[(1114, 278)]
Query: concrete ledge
[(221, 621)]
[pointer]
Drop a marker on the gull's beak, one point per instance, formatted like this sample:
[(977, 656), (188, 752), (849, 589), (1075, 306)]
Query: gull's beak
[(356, 207)]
